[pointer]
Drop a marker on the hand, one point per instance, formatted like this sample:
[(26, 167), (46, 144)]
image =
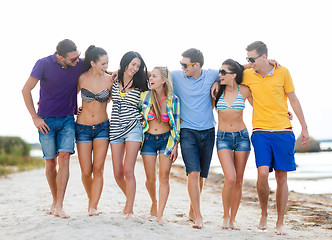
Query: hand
[(79, 110), (41, 125), (290, 116), (114, 76), (305, 136), (273, 63), (174, 154), (214, 90)]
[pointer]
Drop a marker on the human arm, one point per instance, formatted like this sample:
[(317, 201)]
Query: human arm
[(27, 96), (174, 154), (214, 90), (295, 103)]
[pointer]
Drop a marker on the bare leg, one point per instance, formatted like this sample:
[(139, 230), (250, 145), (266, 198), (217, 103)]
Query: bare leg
[(191, 215), (226, 158), (165, 165), (117, 160), (194, 194), (62, 180), (51, 174), (240, 162), (100, 148), (150, 184), (282, 199), (129, 168), (263, 194), (84, 151)]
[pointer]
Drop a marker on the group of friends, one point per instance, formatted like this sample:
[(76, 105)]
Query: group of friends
[(146, 118)]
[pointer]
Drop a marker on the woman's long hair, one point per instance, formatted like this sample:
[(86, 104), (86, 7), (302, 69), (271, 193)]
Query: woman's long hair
[(140, 79), (234, 67), (168, 88)]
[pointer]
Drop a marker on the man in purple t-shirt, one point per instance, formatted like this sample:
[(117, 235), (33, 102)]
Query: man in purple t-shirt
[(58, 74)]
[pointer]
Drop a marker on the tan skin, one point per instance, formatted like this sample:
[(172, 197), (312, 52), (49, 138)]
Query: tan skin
[(262, 67), (165, 162), (233, 163), (124, 154), (57, 179), (92, 155)]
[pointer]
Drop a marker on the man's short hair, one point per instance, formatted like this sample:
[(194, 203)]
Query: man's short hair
[(195, 55), (259, 46), (65, 46)]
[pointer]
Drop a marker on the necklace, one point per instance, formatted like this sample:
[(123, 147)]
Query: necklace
[(124, 88)]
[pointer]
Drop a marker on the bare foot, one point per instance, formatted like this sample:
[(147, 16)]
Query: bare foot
[(130, 216), (225, 223), (198, 224), (191, 215), (61, 214), (93, 212), (262, 223), (153, 210), (162, 221), (280, 230), (233, 226), (51, 211)]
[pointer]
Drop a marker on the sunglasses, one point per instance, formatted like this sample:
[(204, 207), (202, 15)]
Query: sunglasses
[(184, 65), (74, 59), (223, 72), (252, 59)]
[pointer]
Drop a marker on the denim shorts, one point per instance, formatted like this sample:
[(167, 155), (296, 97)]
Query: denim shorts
[(275, 150), (60, 138), (135, 135), (235, 141), (197, 149), (154, 144), (90, 133)]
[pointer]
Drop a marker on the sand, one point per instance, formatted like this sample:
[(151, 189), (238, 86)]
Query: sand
[(25, 197)]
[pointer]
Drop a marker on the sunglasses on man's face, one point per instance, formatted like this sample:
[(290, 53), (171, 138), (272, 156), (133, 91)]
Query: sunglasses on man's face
[(253, 59), (223, 72), (185, 65), (75, 58)]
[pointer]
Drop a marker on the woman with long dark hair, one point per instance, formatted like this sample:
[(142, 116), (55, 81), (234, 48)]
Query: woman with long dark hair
[(125, 125)]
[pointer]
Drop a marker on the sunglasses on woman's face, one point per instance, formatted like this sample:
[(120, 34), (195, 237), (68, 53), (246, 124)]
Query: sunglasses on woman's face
[(223, 72)]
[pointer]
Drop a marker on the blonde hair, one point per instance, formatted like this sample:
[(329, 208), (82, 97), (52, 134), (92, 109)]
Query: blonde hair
[(168, 88)]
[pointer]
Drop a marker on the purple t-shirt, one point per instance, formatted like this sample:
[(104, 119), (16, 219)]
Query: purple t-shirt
[(58, 87)]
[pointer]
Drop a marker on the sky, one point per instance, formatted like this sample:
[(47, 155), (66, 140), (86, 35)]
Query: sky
[(297, 33)]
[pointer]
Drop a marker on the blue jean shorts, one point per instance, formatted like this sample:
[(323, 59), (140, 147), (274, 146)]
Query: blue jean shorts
[(197, 149), (154, 144), (235, 141), (275, 150), (135, 135), (60, 138), (90, 133)]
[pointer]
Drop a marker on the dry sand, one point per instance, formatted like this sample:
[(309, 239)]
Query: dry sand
[(24, 198)]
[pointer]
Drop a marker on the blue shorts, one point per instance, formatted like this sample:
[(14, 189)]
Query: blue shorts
[(235, 141), (90, 133), (197, 149), (60, 138), (135, 135), (154, 144), (275, 150)]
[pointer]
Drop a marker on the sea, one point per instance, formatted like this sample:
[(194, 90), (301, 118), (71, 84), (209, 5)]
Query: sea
[(313, 174)]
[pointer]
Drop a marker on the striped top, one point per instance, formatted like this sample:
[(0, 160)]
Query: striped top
[(238, 103), (173, 112), (125, 112)]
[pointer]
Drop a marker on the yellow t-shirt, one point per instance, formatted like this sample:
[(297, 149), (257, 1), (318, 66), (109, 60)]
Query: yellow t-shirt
[(270, 109)]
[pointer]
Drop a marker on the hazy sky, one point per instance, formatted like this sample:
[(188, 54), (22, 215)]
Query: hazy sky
[(297, 33)]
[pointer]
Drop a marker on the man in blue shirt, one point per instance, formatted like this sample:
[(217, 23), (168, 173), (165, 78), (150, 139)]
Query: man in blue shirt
[(192, 85), (58, 74)]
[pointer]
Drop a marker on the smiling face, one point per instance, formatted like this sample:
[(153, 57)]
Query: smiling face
[(191, 69), (156, 80), (133, 67), (228, 78), (259, 60), (101, 64), (71, 59)]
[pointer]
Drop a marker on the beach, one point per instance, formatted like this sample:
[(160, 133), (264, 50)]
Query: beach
[(25, 197)]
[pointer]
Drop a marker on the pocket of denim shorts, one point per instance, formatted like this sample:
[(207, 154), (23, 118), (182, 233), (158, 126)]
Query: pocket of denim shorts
[(244, 134)]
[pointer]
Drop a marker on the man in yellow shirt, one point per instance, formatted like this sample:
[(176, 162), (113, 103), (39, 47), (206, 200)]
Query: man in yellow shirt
[(272, 137)]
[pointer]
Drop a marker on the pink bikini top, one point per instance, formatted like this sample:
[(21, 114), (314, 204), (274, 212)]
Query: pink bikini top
[(164, 117)]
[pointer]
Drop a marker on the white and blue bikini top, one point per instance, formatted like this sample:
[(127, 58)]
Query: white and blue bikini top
[(238, 103)]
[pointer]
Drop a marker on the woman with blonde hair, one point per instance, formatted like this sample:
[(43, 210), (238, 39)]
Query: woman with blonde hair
[(161, 128)]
